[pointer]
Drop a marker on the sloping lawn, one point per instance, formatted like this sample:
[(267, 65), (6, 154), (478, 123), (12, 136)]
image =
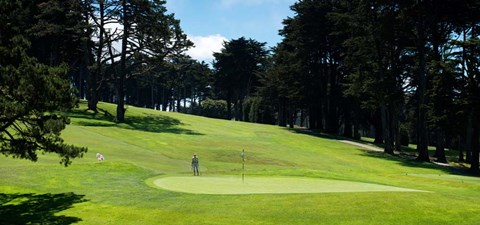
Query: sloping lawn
[(152, 144)]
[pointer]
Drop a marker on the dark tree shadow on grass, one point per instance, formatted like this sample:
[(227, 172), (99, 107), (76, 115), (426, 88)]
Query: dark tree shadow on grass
[(37, 208), (409, 161), (158, 124), (314, 133), (148, 123), (405, 158)]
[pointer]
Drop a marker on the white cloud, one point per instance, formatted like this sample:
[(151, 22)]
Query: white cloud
[(205, 46)]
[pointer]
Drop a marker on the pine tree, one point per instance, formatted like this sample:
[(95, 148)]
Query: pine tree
[(32, 95), (149, 36), (236, 68)]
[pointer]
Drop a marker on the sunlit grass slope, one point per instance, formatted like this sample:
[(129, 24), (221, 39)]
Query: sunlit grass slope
[(156, 144)]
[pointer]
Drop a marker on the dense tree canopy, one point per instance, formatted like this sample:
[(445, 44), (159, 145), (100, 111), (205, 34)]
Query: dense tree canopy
[(31, 94), (236, 68), (399, 71), (403, 68)]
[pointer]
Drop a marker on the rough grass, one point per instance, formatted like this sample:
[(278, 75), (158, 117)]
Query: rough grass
[(152, 144)]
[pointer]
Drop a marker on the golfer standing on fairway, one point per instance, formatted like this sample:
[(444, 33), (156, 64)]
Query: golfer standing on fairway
[(195, 165)]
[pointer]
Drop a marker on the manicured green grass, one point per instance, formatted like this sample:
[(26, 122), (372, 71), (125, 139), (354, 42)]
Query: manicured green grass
[(265, 185), (154, 144)]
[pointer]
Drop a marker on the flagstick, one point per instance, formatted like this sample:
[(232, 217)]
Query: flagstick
[(243, 166)]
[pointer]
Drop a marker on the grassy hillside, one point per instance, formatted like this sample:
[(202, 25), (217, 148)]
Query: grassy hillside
[(153, 144)]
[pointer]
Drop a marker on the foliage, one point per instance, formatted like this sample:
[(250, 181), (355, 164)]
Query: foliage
[(236, 67), (259, 110), (214, 108), (393, 64), (343, 66), (31, 94)]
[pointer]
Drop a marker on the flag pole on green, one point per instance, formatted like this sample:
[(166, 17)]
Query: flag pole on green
[(243, 165)]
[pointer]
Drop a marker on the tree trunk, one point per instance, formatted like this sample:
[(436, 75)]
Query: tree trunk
[(92, 87), (235, 110), (184, 100), (460, 149), (123, 66), (163, 100), (333, 99), (356, 129), (474, 161), (347, 130), (386, 130), (320, 116), (241, 109), (171, 103), (152, 96), (192, 100), (179, 103), (282, 121), (468, 139), (474, 83), (291, 117), (440, 149), (312, 118), (331, 117), (474, 164), (377, 120), (422, 145), (302, 117), (396, 134), (229, 106)]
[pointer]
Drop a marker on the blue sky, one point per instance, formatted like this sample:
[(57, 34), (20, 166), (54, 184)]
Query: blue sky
[(210, 22)]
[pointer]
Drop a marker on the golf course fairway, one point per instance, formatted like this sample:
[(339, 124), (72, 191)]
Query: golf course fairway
[(291, 177), (266, 185)]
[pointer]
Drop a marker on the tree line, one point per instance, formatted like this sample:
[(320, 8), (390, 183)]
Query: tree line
[(407, 69), (399, 71), (54, 52)]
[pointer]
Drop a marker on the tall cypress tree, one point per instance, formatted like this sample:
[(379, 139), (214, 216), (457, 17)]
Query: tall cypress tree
[(236, 68), (143, 43)]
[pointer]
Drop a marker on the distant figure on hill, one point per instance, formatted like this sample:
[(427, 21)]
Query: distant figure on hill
[(195, 165), (100, 157)]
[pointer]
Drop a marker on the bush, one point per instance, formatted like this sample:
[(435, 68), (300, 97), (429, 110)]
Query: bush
[(214, 108), (252, 107)]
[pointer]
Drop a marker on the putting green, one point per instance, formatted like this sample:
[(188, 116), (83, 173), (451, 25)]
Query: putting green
[(266, 185)]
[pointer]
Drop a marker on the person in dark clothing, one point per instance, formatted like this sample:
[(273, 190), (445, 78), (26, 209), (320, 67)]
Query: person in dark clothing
[(195, 165)]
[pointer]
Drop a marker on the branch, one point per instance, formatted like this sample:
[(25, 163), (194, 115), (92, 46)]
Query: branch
[(17, 128), (6, 125), (11, 137)]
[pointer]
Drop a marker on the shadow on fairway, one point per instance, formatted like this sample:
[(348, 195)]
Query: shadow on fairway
[(313, 133), (406, 158), (158, 124), (409, 161), (37, 208), (148, 123)]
